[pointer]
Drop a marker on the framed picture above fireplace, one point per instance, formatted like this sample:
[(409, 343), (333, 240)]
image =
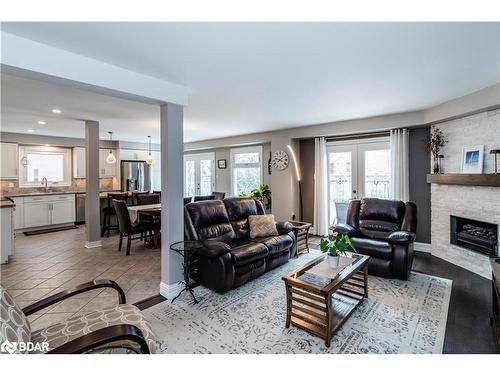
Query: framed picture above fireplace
[(472, 159)]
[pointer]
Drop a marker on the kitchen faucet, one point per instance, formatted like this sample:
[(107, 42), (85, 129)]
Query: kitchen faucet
[(44, 182)]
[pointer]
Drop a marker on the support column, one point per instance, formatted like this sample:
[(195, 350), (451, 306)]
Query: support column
[(92, 206), (172, 213)]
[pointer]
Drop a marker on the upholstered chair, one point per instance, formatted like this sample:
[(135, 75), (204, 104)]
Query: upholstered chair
[(118, 329)]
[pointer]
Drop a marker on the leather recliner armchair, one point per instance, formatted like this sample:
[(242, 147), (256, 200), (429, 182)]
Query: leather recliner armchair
[(229, 257), (384, 230)]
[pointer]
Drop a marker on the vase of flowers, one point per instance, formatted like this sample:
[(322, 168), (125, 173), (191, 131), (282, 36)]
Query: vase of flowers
[(335, 245), (434, 143)]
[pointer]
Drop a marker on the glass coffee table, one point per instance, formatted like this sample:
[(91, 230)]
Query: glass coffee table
[(320, 298)]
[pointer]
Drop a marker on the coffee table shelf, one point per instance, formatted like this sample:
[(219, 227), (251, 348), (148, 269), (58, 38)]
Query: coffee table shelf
[(322, 308)]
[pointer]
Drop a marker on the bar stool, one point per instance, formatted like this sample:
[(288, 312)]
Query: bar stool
[(109, 211)]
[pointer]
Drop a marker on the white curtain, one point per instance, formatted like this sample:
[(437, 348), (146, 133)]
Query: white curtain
[(320, 187), (400, 165)]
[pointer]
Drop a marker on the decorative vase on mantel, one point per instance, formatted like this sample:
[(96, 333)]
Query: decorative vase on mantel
[(437, 168)]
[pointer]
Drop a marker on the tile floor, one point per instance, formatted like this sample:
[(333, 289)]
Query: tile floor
[(48, 263)]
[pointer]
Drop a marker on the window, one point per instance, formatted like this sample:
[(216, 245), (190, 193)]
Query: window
[(199, 176), (37, 162), (246, 172), (357, 169)]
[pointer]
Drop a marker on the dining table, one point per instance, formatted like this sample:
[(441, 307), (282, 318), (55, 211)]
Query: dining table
[(153, 209)]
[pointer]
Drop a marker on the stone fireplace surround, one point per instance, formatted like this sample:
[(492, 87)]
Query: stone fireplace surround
[(474, 202)]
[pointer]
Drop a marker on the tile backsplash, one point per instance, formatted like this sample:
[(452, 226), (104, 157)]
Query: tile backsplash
[(77, 184)]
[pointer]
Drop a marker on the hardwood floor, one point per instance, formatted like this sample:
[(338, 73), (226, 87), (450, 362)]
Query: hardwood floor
[(468, 329)]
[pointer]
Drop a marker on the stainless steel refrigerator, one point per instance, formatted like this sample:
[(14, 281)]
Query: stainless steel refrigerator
[(135, 175)]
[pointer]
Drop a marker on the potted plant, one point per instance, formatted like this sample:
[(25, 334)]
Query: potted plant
[(335, 245), (262, 193), (434, 143)]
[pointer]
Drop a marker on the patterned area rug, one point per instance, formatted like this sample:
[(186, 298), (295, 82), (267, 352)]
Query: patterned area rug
[(398, 317)]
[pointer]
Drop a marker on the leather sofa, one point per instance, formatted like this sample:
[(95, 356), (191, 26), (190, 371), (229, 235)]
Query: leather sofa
[(229, 257), (384, 230)]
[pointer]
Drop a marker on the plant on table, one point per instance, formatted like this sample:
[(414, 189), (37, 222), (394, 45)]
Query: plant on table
[(336, 245)]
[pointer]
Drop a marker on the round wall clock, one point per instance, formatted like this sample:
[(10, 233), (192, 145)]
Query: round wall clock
[(280, 160)]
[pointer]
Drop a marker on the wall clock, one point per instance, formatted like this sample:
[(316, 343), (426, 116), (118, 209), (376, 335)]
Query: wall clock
[(280, 160)]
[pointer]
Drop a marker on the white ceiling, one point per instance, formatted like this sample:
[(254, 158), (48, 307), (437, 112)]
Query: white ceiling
[(251, 77)]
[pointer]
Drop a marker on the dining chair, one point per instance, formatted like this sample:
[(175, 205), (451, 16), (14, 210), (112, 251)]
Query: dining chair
[(109, 211), (204, 198), (144, 199), (136, 194), (129, 229)]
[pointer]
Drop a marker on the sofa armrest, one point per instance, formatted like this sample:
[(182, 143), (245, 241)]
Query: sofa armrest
[(213, 249), (401, 237), (345, 229), (284, 227)]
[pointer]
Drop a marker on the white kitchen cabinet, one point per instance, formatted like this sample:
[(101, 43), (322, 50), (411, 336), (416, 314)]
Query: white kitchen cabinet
[(62, 212), (79, 162), (36, 214), (7, 233), (18, 213), (45, 210), (126, 154), (8, 161), (106, 169)]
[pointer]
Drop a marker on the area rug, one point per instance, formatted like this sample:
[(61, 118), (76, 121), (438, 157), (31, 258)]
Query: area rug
[(398, 317)]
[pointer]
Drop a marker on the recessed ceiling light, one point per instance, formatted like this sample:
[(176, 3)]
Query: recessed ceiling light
[(42, 123), (55, 110), (31, 131)]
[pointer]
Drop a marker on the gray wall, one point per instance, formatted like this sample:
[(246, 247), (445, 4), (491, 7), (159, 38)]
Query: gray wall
[(420, 190), (307, 169)]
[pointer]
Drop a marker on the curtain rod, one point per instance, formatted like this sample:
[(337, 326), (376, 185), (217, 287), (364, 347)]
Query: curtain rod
[(358, 136)]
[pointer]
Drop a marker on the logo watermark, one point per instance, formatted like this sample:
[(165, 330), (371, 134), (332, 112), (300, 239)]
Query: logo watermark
[(23, 347)]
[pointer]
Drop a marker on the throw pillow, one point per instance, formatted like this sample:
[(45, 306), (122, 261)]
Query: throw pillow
[(262, 226)]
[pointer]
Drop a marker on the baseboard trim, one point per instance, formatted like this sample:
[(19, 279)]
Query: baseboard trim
[(92, 244), (170, 291), (422, 247)]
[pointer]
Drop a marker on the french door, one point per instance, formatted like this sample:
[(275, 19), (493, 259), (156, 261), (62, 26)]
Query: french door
[(357, 170), (199, 174)]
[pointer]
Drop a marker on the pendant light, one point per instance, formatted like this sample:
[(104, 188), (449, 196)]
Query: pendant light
[(111, 158), (149, 159)]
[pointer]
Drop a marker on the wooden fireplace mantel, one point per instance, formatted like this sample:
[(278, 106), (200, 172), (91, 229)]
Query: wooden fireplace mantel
[(464, 179)]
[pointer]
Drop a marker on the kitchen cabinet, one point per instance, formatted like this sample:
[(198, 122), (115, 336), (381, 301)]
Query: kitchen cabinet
[(36, 214), (44, 210), (133, 154), (7, 233), (106, 169), (18, 213), (79, 162), (8, 161), (62, 212)]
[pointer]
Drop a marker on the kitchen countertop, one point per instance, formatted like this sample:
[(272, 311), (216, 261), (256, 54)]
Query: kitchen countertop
[(6, 203), (102, 194)]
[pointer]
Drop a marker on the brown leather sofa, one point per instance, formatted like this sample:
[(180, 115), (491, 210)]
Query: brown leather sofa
[(384, 230), (230, 257)]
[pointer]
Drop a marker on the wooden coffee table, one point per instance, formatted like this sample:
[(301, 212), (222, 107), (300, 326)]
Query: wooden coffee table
[(319, 304)]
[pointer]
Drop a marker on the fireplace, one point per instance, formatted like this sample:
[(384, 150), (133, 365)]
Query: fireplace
[(474, 235)]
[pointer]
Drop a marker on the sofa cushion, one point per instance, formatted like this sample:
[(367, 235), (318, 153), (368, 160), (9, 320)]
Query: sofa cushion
[(276, 245), (379, 217), (247, 252), (210, 220), (238, 210), (372, 247), (262, 226)]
